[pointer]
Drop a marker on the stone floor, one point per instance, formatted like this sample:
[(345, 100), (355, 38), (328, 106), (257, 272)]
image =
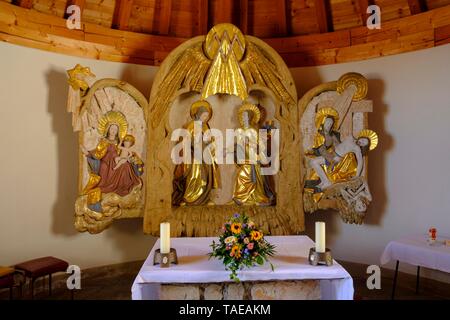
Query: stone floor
[(114, 282)]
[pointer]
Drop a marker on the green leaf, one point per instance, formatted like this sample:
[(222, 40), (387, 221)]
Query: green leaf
[(259, 260)]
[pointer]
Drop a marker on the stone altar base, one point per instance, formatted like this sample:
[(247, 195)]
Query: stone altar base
[(266, 290)]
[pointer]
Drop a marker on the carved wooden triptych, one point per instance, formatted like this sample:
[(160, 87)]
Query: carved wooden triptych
[(139, 157)]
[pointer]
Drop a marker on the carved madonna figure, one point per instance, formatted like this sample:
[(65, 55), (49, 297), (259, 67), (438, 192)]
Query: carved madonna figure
[(110, 116)]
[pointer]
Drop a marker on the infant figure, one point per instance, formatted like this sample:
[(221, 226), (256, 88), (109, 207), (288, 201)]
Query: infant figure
[(125, 152)]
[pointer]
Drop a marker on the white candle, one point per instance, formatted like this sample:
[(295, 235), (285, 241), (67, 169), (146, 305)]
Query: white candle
[(164, 237), (320, 236)]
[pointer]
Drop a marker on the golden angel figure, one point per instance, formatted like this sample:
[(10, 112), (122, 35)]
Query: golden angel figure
[(194, 181), (250, 187)]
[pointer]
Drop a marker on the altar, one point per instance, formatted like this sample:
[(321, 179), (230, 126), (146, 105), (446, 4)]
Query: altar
[(198, 277)]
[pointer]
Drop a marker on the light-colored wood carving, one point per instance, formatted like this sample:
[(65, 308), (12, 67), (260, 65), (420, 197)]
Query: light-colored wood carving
[(346, 97), (284, 218), (89, 101)]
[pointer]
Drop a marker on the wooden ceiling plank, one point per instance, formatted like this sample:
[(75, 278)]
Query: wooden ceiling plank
[(122, 14), (363, 5), (27, 4), (281, 18), (322, 16), (202, 16), (243, 16), (80, 3), (165, 13), (225, 14), (417, 6)]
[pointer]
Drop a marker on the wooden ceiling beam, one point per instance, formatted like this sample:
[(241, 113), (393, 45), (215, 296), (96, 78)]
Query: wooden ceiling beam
[(122, 14), (281, 18), (243, 16), (322, 16), (417, 6), (202, 16), (27, 4), (165, 13)]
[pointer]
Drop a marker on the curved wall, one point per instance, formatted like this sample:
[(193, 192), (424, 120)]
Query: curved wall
[(408, 176)]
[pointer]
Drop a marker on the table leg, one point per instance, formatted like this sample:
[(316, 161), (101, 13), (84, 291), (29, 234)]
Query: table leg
[(395, 281), (417, 279)]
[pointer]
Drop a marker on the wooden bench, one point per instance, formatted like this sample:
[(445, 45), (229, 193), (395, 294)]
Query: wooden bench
[(42, 267)]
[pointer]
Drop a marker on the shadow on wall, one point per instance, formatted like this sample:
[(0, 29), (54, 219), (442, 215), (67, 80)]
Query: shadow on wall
[(126, 234), (67, 170), (377, 157)]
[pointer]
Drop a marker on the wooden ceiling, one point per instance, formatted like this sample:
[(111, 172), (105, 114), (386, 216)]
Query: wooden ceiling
[(304, 32)]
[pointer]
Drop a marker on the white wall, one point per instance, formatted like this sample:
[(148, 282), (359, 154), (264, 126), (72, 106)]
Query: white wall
[(38, 171), (408, 171)]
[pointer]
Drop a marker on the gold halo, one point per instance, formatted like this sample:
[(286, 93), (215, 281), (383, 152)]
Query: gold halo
[(252, 108), (198, 104), (324, 113), (371, 135), (356, 79), (110, 118), (130, 138)]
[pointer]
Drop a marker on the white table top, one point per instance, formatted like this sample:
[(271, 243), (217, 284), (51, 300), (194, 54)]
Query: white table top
[(415, 250), (194, 266)]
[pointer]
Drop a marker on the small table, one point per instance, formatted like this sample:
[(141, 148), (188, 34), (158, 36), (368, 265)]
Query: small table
[(416, 251), (195, 267)]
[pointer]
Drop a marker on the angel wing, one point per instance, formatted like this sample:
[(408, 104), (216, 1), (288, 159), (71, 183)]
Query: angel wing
[(260, 70), (187, 72)]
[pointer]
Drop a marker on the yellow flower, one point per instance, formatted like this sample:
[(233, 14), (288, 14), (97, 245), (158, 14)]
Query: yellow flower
[(235, 252), (230, 240), (236, 228), (256, 235)]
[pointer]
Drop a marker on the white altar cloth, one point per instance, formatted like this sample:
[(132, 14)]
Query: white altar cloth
[(194, 266), (416, 251)]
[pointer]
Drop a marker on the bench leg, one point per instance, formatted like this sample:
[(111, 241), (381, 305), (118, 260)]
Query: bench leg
[(50, 284), (395, 281), (417, 279), (32, 288)]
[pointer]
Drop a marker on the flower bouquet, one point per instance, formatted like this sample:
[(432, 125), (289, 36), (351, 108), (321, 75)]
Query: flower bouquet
[(241, 245)]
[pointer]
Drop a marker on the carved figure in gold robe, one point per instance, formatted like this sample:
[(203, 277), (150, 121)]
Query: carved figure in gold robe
[(250, 187), (346, 160), (194, 181)]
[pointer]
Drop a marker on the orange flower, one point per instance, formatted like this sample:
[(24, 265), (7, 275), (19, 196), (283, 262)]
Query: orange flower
[(235, 252), (256, 235), (236, 228)]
